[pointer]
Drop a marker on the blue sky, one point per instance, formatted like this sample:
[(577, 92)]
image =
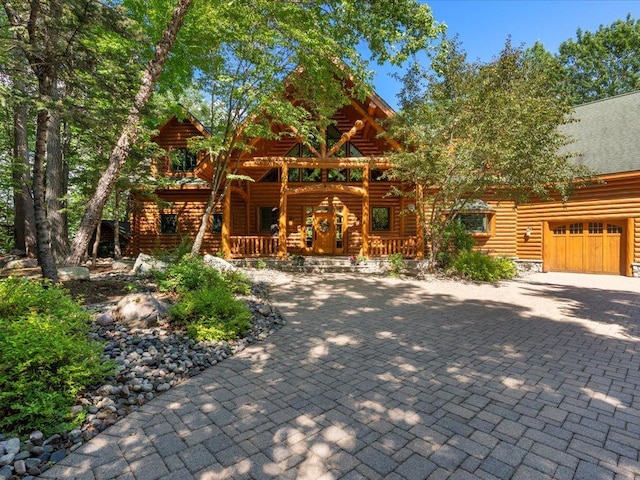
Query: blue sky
[(483, 26)]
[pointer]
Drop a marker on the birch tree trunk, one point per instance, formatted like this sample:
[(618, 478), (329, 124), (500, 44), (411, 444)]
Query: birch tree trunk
[(129, 135)]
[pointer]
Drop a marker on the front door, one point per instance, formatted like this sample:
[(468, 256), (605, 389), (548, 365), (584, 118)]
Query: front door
[(323, 227)]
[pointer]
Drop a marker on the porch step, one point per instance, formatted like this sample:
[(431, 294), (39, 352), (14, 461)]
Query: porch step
[(379, 266)]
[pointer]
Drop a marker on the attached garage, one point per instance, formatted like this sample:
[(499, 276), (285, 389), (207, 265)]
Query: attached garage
[(586, 246)]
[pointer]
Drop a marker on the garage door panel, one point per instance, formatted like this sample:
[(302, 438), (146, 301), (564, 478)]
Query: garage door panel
[(587, 246)]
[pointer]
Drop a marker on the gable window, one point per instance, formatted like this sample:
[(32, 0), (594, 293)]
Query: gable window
[(377, 175), (311, 174), (183, 160), (216, 223), (168, 222), (337, 175), (381, 219), (272, 175)]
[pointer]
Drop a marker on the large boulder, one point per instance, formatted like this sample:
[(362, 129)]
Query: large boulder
[(18, 263), (145, 263), (140, 310), (218, 264), (73, 273)]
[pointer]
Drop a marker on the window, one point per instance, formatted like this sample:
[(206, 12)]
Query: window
[(561, 230), (272, 175), (377, 175), (614, 228), (168, 222), (337, 175), (475, 222), (183, 160), (216, 223), (355, 175), (576, 229), (269, 218), (293, 175), (596, 227), (381, 219), (311, 174)]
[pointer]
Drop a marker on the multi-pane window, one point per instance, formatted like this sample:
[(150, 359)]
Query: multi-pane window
[(576, 229), (561, 230), (381, 219), (596, 227), (168, 222), (614, 228), (475, 222), (377, 175), (183, 160)]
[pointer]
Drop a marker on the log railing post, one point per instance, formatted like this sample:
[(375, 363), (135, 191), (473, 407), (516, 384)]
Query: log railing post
[(365, 212), (225, 234), (282, 221)]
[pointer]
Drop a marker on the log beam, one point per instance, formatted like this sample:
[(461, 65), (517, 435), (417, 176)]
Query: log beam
[(282, 211), (364, 249), (226, 226)]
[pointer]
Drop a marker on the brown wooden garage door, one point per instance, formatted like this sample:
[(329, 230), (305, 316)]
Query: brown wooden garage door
[(587, 246)]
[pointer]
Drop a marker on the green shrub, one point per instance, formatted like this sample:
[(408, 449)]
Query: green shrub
[(261, 264), (189, 273), (46, 357), (211, 314), (237, 282), (396, 264), (455, 239), (481, 267)]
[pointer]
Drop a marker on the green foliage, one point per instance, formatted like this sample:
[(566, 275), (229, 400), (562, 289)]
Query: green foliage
[(189, 273), (237, 282), (211, 314), (396, 264), (471, 130), (261, 264), (46, 357), (455, 239), (603, 63), (481, 267)]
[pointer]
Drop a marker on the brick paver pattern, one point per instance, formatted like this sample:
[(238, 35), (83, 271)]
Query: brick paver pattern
[(405, 379)]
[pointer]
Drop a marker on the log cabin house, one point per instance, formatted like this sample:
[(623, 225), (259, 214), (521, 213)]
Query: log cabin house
[(335, 200)]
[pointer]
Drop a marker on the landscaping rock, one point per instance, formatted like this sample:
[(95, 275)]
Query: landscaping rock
[(21, 263), (73, 273), (140, 310), (218, 264), (146, 263)]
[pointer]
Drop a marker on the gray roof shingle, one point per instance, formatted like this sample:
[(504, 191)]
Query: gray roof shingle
[(608, 134)]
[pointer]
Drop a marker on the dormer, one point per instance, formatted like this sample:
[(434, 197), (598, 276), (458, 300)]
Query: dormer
[(173, 137)]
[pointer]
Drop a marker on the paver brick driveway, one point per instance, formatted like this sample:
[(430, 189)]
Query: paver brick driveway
[(384, 378)]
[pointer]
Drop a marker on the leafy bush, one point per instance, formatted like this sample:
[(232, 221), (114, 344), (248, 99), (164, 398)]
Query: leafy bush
[(481, 267), (396, 264), (211, 314), (46, 357), (455, 239), (189, 273), (237, 282)]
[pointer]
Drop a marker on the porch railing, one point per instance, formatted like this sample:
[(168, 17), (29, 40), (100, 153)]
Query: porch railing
[(380, 246), (254, 246)]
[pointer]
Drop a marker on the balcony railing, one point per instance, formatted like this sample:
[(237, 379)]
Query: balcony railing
[(254, 246), (381, 246)]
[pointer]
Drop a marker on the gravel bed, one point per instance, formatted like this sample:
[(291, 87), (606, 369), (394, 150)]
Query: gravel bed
[(150, 361)]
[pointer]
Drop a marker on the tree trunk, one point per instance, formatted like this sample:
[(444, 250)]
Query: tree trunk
[(128, 137), (55, 190), (47, 262), (24, 219), (117, 253), (96, 244), (204, 222)]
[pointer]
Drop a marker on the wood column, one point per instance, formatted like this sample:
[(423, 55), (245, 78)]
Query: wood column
[(225, 235), (629, 250), (366, 215), (546, 246), (282, 220), (419, 222)]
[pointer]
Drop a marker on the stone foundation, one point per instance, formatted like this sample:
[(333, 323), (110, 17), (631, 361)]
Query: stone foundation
[(528, 266)]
